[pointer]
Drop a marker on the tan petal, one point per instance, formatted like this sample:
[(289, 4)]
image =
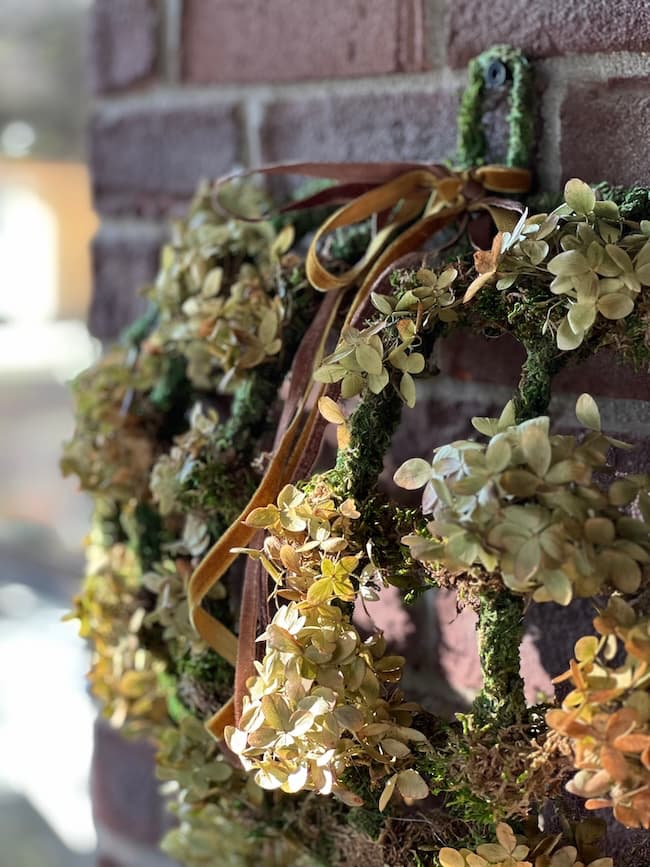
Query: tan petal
[(621, 722), (450, 858), (615, 764), (632, 743)]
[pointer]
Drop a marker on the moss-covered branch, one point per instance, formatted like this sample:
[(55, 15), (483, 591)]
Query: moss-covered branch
[(501, 701), (372, 426), (543, 361)]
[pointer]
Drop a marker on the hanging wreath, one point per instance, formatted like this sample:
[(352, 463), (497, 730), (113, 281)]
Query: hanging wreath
[(223, 570)]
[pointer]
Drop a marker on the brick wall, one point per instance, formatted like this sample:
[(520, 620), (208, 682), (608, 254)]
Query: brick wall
[(191, 89)]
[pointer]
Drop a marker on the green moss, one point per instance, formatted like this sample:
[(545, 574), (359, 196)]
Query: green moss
[(207, 667), (501, 701), (144, 530), (349, 244), (473, 811), (386, 525), (171, 392), (371, 426), (366, 819), (633, 202), (204, 682), (635, 343), (543, 361), (250, 410), (219, 490)]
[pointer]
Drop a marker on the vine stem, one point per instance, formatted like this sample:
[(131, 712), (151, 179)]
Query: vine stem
[(371, 429), (501, 701)]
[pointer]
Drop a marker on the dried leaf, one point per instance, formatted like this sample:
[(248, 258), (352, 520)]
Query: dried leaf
[(579, 196), (587, 412), (413, 474), (412, 786), (330, 410)]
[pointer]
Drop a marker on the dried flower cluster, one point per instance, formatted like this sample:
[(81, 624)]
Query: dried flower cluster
[(526, 507), (218, 807), (112, 450), (607, 715), (586, 254), (512, 851), (388, 349), (172, 468), (316, 705), (124, 675), (218, 294)]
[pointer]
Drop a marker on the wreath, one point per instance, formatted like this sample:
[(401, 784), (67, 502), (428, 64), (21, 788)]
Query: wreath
[(224, 567)]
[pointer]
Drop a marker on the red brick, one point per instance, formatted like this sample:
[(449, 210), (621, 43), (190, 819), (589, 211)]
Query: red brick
[(145, 159), (254, 40), (124, 790), (604, 374), (376, 126), (123, 262), (548, 29), (473, 358), (605, 130), (123, 43)]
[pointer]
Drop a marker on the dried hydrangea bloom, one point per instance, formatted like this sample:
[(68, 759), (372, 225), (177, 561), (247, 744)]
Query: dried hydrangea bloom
[(526, 507), (172, 469), (317, 704), (387, 350), (219, 808), (367, 360), (167, 580), (607, 716), (594, 260), (111, 450), (506, 852), (218, 294), (124, 675)]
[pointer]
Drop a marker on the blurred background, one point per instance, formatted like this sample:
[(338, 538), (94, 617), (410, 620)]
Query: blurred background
[(46, 223)]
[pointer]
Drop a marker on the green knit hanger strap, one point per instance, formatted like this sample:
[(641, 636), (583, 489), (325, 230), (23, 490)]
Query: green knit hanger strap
[(497, 66)]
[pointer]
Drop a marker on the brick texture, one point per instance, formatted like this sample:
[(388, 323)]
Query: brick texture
[(124, 790), (378, 126), (146, 159), (122, 263), (549, 28), (123, 43), (472, 358), (254, 40), (603, 130)]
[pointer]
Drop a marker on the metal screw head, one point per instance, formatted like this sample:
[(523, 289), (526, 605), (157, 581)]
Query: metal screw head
[(496, 74)]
